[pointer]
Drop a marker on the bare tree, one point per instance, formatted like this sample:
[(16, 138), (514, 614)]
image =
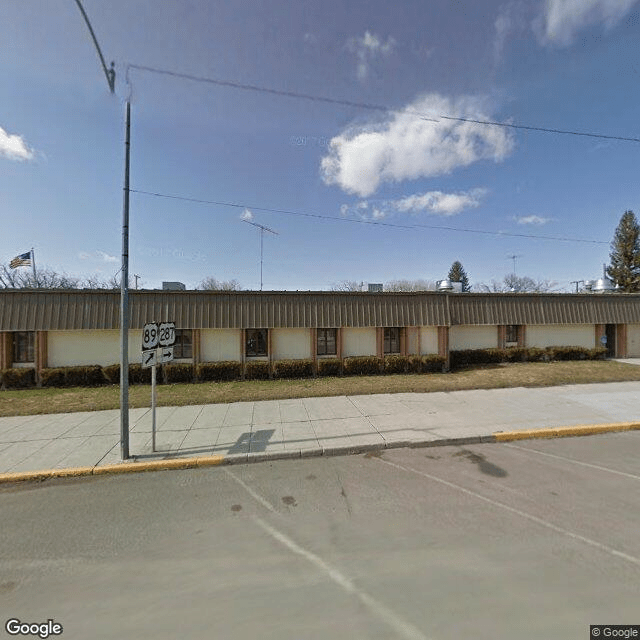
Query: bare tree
[(47, 278), (212, 284), (348, 285), (519, 284), (410, 285)]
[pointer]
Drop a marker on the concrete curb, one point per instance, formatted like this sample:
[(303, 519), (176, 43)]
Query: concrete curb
[(297, 454), (564, 432)]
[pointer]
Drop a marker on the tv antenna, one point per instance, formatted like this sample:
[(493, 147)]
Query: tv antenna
[(262, 231), (514, 257)]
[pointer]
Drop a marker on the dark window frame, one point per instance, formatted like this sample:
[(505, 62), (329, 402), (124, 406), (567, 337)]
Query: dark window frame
[(183, 348), (391, 340), (24, 347), (511, 334), (324, 347), (256, 343)]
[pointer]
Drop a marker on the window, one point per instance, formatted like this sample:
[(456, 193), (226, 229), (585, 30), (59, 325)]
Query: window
[(327, 342), (256, 342), (182, 347), (23, 346), (511, 334), (392, 340)]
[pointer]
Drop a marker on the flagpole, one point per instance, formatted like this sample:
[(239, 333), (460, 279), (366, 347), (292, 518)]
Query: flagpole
[(33, 264)]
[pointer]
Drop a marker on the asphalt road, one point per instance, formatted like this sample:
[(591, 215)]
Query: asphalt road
[(530, 540)]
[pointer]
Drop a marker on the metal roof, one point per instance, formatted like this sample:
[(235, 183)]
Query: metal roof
[(43, 310)]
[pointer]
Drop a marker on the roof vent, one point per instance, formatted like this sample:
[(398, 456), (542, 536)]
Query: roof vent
[(445, 285)]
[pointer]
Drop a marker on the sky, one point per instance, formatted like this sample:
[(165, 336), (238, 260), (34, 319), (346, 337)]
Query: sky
[(358, 151)]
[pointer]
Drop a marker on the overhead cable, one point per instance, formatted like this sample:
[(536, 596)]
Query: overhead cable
[(370, 106), (238, 205)]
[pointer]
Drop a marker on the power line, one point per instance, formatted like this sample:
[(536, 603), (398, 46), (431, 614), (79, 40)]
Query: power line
[(238, 205), (278, 92), (370, 106)]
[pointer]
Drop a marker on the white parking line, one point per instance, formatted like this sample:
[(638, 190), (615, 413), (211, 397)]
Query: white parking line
[(523, 514), (584, 464), (400, 626)]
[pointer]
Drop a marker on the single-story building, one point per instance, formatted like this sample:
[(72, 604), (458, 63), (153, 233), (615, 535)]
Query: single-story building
[(57, 328)]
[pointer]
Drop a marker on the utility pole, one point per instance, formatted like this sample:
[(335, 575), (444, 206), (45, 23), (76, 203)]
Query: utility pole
[(110, 75), (576, 282), (262, 230), (124, 296)]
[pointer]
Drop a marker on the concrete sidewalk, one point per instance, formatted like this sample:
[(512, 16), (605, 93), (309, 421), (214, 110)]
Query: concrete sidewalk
[(252, 431)]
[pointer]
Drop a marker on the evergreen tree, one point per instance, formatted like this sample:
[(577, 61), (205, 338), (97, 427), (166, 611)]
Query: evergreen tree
[(458, 274), (625, 254)]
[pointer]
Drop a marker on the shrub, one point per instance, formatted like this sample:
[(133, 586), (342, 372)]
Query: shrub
[(516, 354), (112, 373), (361, 365), (138, 375), (568, 353), (329, 366), (598, 353), (19, 378), (536, 354), (465, 357), (53, 377), (293, 368), (178, 372), (218, 371), (256, 370), (433, 363), (396, 364), (74, 376), (95, 376)]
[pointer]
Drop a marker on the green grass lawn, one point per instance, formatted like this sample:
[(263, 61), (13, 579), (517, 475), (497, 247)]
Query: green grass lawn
[(539, 374)]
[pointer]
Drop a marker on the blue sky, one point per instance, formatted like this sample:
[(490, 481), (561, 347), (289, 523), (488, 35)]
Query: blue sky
[(385, 182)]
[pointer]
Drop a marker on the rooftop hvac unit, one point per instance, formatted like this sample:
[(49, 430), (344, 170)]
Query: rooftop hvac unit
[(445, 285), (457, 287), (602, 285), (375, 287), (173, 286)]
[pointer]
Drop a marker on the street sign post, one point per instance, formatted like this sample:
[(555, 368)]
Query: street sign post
[(157, 348)]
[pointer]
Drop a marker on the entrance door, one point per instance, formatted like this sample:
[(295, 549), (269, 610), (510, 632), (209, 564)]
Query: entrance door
[(610, 332)]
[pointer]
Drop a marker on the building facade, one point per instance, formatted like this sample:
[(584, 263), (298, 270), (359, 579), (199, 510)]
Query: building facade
[(51, 328)]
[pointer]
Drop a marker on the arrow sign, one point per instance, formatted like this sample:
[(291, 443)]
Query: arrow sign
[(166, 354), (149, 358)]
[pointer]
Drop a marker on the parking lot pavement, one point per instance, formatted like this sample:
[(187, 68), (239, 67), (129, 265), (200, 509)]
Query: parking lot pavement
[(524, 540)]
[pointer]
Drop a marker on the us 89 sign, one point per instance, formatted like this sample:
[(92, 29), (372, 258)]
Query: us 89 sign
[(150, 336)]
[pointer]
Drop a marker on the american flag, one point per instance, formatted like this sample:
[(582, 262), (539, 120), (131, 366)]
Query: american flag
[(23, 260)]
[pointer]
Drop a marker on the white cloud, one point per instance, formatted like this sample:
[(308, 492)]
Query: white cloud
[(247, 215), (439, 203), (536, 220), (105, 257), (510, 20), (98, 255), (433, 202), (564, 18), (14, 147), (367, 49), (406, 147)]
